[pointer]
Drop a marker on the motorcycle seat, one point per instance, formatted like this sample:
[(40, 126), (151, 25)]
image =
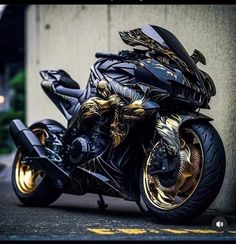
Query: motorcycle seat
[(77, 93), (61, 77), (65, 85), (67, 81)]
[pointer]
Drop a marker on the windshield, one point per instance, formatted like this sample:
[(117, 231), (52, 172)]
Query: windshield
[(165, 43)]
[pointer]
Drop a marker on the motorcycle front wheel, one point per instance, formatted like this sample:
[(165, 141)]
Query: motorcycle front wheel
[(199, 179)]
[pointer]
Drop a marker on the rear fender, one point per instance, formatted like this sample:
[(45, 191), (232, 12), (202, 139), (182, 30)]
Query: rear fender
[(49, 124), (52, 127)]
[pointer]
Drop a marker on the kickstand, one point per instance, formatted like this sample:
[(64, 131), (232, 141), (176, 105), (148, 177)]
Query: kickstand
[(101, 202), (140, 207)]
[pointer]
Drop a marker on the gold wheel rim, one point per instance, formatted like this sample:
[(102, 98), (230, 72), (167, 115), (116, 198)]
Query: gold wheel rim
[(28, 179), (187, 181)]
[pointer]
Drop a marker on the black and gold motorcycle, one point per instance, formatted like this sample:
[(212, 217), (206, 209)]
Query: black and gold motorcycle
[(135, 132)]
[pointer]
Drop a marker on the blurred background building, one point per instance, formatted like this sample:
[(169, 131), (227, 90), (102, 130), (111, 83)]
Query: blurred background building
[(67, 37), (12, 63), (11, 48)]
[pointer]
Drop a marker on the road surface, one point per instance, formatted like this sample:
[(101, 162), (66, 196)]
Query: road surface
[(79, 218)]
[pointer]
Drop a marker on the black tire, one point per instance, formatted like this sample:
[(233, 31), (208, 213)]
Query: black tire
[(44, 194), (209, 184)]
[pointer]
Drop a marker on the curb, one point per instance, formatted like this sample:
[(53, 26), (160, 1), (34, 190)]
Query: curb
[(2, 167), (5, 173)]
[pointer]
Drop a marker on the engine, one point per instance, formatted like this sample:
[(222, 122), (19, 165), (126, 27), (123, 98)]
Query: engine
[(91, 141)]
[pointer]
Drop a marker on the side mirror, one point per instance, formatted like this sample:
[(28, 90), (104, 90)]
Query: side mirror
[(197, 56)]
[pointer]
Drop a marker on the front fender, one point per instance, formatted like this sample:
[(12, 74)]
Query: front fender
[(168, 125), (188, 116)]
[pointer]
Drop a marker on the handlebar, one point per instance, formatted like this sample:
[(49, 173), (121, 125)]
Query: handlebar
[(123, 55), (109, 56)]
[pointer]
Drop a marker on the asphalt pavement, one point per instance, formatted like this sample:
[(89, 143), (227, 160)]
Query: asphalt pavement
[(79, 218)]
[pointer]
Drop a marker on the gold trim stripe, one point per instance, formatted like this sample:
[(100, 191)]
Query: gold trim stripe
[(132, 231), (203, 231), (175, 231), (101, 231), (138, 231)]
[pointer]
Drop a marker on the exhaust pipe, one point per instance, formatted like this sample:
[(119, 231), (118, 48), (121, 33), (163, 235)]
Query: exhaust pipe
[(25, 139), (33, 150)]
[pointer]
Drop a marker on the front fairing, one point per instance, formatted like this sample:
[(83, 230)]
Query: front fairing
[(164, 76), (209, 83), (165, 44), (164, 82)]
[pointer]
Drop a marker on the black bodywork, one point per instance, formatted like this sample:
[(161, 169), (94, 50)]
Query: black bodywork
[(162, 77)]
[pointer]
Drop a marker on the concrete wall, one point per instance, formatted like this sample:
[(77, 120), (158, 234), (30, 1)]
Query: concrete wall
[(67, 37)]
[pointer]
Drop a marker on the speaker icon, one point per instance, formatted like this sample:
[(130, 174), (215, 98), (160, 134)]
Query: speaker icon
[(220, 223)]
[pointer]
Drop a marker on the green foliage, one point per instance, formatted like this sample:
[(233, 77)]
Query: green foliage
[(17, 83), (7, 116), (17, 111), (18, 101)]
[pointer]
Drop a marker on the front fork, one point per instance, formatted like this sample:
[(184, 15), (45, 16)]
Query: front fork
[(167, 127)]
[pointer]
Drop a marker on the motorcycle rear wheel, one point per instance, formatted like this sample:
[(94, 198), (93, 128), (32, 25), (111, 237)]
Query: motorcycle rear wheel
[(199, 180), (32, 187)]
